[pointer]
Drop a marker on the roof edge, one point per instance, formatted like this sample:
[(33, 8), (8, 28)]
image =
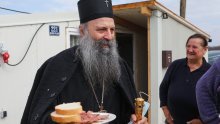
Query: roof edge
[(152, 4), (180, 19), (133, 5)]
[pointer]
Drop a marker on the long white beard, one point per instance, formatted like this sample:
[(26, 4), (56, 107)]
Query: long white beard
[(101, 64)]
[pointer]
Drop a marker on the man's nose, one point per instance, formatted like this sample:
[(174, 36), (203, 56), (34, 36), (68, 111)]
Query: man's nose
[(190, 49), (108, 35)]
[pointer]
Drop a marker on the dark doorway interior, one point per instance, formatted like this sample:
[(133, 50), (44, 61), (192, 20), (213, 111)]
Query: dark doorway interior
[(125, 47)]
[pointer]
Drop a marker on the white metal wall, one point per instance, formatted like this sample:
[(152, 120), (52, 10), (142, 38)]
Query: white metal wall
[(174, 37), (16, 81)]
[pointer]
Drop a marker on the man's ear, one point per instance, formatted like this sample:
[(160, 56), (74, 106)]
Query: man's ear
[(81, 31), (205, 49)]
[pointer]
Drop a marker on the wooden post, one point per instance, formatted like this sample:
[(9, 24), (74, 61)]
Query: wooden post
[(183, 8)]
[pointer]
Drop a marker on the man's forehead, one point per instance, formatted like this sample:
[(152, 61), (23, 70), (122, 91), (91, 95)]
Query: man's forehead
[(105, 21)]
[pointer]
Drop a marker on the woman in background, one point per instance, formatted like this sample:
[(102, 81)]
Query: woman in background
[(177, 90)]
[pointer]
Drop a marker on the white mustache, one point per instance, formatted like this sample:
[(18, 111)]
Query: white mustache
[(191, 52)]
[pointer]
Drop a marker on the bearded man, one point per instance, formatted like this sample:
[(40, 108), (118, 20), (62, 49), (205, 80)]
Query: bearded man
[(92, 73)]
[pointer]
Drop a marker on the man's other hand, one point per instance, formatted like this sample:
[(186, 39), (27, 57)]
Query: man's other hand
[(142, 121)]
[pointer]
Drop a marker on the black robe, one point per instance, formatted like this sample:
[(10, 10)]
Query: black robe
[(55, 74)]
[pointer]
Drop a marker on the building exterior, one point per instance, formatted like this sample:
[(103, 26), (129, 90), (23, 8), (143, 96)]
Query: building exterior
[(146, 32)]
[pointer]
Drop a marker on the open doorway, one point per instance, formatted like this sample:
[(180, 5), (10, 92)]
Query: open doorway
[(133, 49), (125, 47)]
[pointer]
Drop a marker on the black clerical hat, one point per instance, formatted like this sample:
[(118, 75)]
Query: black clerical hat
[(93, 9)]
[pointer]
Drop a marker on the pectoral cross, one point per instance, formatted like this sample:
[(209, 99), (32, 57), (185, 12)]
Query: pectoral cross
[(106, 1), (102, 109)]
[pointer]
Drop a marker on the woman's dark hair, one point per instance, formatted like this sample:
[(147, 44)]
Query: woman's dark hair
[(205, 42)]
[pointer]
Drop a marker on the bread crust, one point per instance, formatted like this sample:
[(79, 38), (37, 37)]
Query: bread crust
[(65, 118), (66, 113)]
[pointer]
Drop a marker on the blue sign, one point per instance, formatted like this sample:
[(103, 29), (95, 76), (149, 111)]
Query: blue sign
[(54, 30)]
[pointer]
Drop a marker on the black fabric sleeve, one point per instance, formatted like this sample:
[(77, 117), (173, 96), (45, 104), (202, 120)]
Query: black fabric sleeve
[(125, 112), (27, 110), (46, 118), (164, 86), (130, 73), (127, 105)]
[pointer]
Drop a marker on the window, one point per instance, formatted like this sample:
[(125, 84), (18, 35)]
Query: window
[(74, 40), (72, 36)]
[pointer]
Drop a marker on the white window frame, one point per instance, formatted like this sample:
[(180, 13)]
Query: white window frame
[(71, 31)]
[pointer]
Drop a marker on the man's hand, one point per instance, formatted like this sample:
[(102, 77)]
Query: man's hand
[(142, 121), (195, 121)]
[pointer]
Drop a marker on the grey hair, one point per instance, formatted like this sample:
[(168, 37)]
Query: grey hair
[(100, 64)]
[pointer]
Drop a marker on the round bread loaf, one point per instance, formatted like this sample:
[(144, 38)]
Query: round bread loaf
[(69, 108), (67, 112)]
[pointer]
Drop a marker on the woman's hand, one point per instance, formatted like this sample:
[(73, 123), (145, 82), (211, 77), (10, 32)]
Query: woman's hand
[(195, 121), (142, 121), (167, 114)]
